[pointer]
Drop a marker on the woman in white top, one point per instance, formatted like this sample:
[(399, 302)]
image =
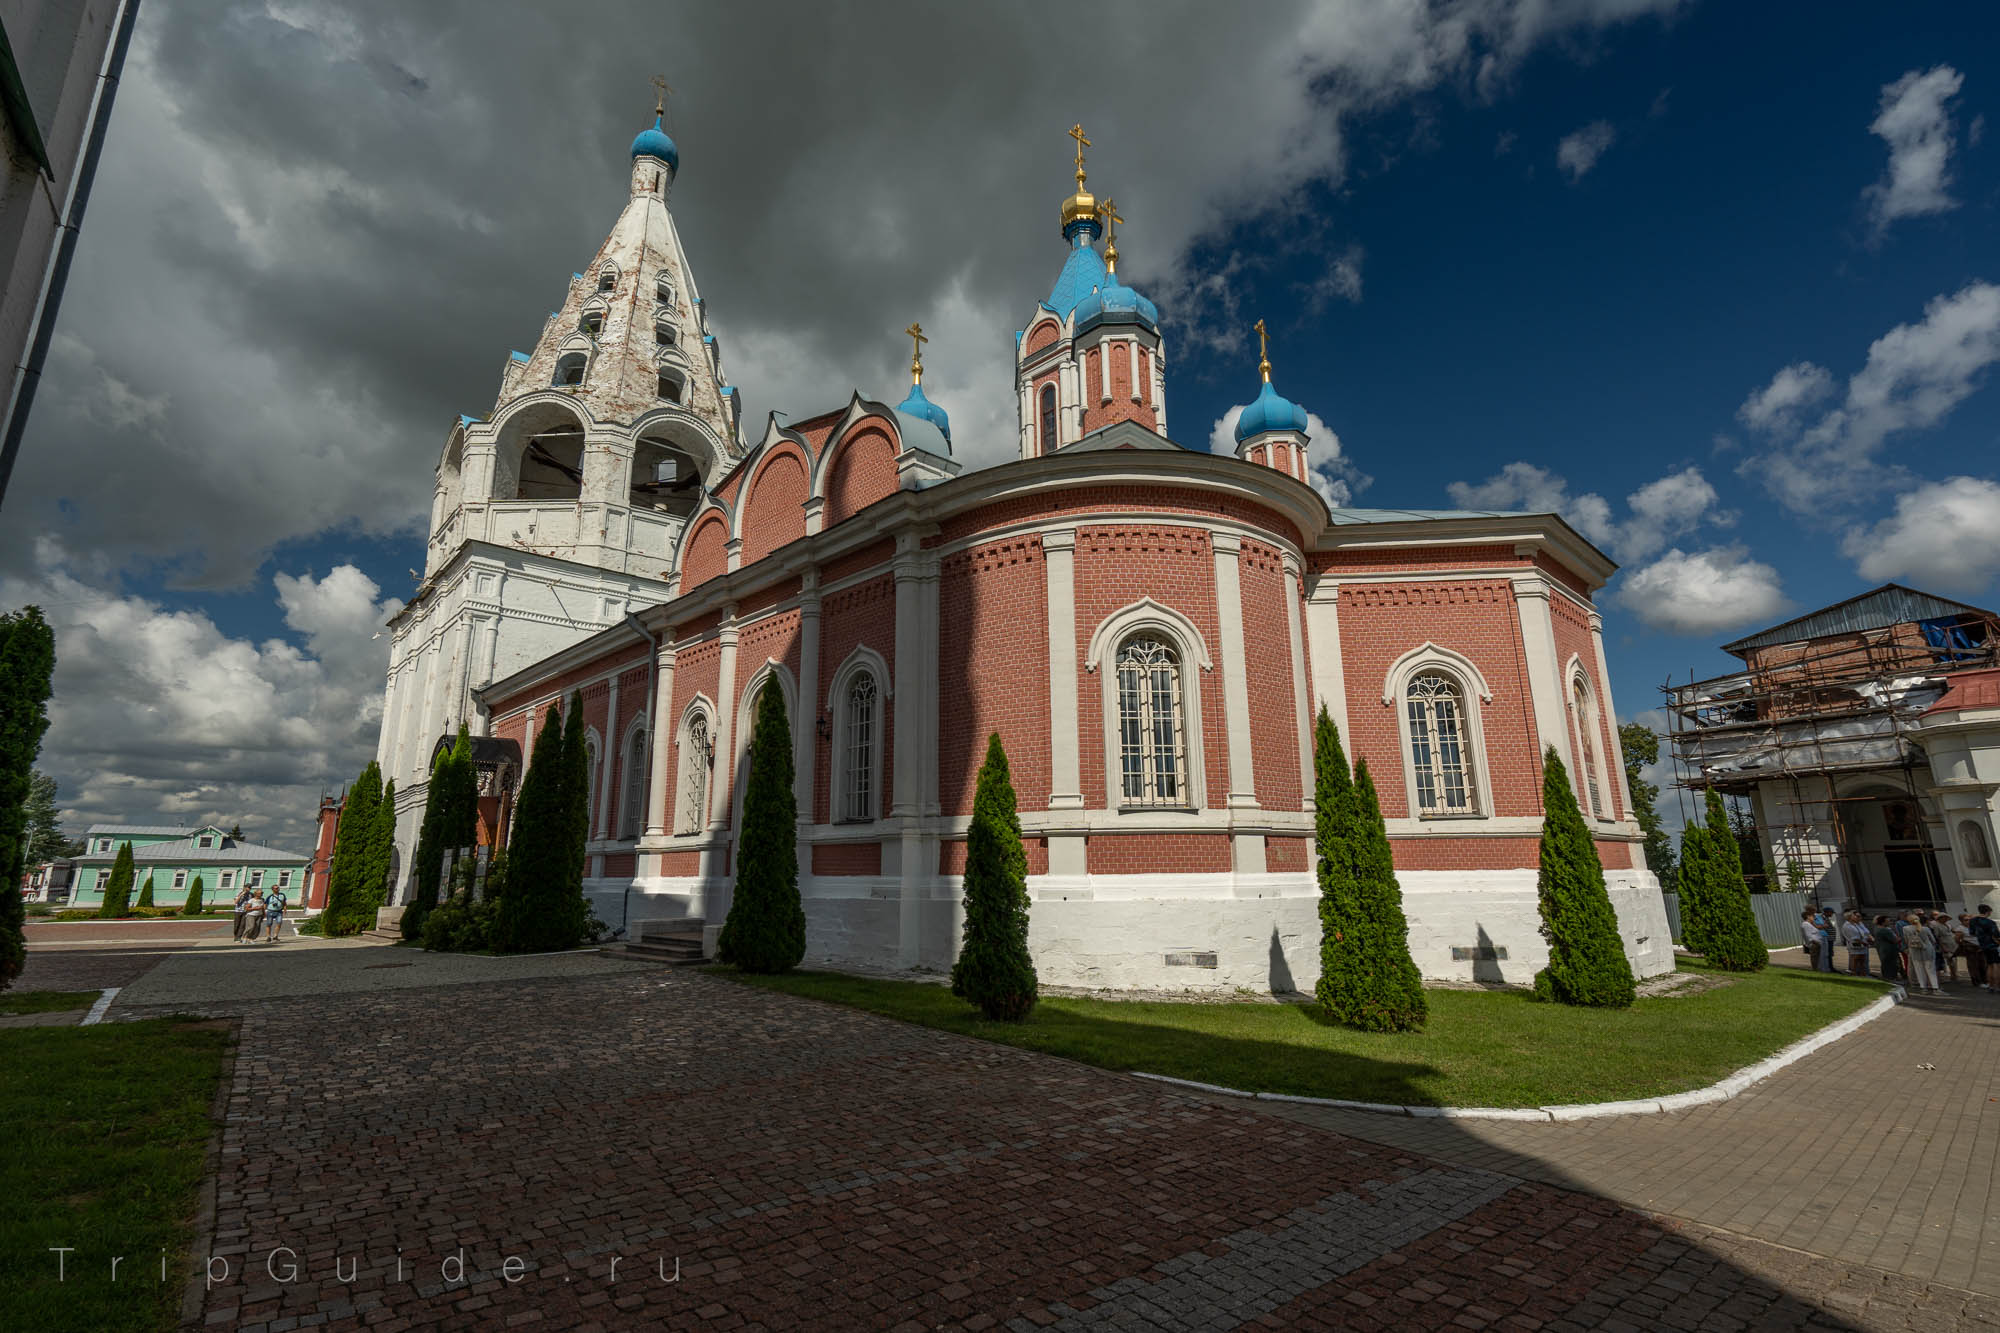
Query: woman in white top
[(1921, 949)]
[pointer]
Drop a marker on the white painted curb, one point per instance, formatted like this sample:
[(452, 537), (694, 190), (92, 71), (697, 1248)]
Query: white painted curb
[(1679, 1101), (96, 1014)]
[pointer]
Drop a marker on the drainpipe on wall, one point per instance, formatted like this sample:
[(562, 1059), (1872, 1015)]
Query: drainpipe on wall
[(652, 676)]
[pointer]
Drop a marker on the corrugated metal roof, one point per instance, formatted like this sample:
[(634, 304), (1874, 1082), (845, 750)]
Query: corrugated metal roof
[(1890, 604), (141, 830), (1403, 515), (182, 851)]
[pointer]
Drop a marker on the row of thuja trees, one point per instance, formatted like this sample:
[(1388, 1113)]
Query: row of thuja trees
[(529, 898), (118, 890)]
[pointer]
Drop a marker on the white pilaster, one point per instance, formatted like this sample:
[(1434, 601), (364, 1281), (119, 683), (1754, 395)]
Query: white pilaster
[(1065, 763), (722, 794), (662, 739), (1160, 387), (1069, 402), (1538, 643), (1329, 680), (916, 731), (1235, 677), (1610, 711), (805, 727), (607, 794), (1301, 701)]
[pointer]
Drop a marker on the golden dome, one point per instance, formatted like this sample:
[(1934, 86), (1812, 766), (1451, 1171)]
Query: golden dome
[(1081, 206)]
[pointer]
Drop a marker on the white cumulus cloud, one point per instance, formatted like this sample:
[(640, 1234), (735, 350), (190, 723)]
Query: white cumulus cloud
[(1943, 536), (1916, 122), (1703, 592), (1333, 474), (1914, 376), (1658, 511), (1579, 151)]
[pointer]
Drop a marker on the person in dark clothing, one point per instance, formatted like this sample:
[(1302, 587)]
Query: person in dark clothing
[(1889, 949)]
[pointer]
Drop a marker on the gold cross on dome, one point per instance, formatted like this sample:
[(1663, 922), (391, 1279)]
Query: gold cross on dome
[(1263, 352), (917, 341), (1108, 210), (1076, 133), (661, 90)]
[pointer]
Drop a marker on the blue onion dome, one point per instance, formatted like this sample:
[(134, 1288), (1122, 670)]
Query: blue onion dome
[(655, 142), (923, 409), (1115, 303), (1270, 411)]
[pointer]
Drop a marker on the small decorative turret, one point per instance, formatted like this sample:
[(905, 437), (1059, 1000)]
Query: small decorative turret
[(917, 407), (1272, 429)]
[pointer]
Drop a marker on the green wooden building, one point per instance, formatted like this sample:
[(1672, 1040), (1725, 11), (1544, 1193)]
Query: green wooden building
[(173, 857)]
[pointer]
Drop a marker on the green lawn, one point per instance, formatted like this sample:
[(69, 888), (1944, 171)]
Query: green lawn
[(107, 1128), (1481, 1048), (45, 1001)]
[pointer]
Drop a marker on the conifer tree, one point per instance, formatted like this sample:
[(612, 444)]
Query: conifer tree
[(1587, 964), (146, 892), (27, 665), (1717, 921), (1333, 845), (766, 927), (995, 969), (1391, 996), (373, 891), (193, 905), (350, 849), (535, 913), (118, 892), (451, 810)]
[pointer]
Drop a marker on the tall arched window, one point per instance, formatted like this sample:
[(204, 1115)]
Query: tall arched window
[(595, 777), (569, 369), (1439, 756), (858, 755), (1048, 418), (631, 817), (696, 756), (1152, 735), (1588, 755)]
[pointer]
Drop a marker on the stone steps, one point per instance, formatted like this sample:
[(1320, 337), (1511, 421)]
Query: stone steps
[(675, 943), (381, 936)]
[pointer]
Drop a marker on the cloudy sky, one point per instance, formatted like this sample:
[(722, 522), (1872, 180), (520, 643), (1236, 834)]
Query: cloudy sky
[(1714, 282)]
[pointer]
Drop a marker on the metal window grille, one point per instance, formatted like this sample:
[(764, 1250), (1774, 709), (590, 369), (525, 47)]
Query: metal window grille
[(694, 781), (1152, 739), (1048, 418), (859, 797), (1438, 747), (635, 785)]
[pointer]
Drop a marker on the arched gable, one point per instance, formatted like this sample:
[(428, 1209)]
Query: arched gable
[(861, 469), (1041, 335), (705, 551), (772, 511)]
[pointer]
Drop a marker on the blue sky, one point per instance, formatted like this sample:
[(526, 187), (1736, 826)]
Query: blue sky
[(1523, 255)]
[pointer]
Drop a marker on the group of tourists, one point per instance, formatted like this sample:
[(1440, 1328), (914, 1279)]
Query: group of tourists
[(259, 916), (1922, 948)]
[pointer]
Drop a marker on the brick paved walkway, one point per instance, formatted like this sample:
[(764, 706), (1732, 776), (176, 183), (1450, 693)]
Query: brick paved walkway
[(808, 1166), (1856, 1152), (87, 969)]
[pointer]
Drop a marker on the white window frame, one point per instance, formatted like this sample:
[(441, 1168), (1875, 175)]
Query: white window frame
[(256, 880), (593, 746), (1473, 693), (180, 879), (1149, 618), (607, 279), (695, 761), (632, 780), (862, 661), (284, 879), (226, 880), (1594, 783), (746, 723), (205, 841)]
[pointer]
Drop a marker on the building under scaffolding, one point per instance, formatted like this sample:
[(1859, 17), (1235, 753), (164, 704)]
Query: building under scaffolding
[(1867, 737)]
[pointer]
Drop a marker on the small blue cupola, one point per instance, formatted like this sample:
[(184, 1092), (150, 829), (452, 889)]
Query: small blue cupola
[(917, 407), (1269, 410), (656, 143), (1113, 302)]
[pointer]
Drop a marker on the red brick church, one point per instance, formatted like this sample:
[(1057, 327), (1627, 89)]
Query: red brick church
[(1149, 627)]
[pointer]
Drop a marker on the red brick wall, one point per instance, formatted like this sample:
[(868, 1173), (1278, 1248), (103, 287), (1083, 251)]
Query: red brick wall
[(1040, 336), (705, 555), (847, 858), (774, 511), (951, 856), (1572, 634), (864, 471), (680, 863), (994, 645), (1084, 501), (1267, 649), (1116, 566), (697, 670), (1381, 622), (863, 614), (1287, 855), (1466, 853), (620, 865), (875, 553), (1157, 853), (1402, 561)]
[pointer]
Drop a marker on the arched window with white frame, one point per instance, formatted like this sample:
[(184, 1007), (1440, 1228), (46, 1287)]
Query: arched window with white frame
[(697, 759), (1589, 750), (595, 749), (632, 795), (1440, 749), (1152, 724), (857, 703)]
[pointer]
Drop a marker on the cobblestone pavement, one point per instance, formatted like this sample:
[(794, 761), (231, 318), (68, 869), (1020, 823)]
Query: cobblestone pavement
[(799, 1165), (1882, 1149), (86, 969)]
